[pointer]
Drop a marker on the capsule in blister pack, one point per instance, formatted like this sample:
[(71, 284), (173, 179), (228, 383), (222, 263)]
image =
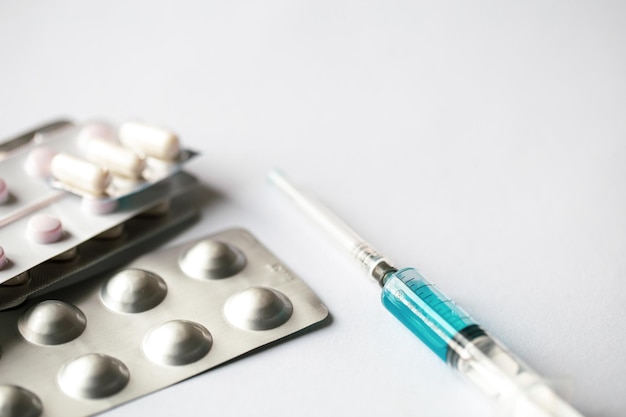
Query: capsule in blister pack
[(106, 163), (99, 182), (163, 318)]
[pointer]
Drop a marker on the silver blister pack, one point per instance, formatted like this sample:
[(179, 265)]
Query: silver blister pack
[(162, 318)]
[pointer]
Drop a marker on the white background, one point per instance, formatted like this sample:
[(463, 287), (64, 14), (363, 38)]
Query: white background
[(481, 141)]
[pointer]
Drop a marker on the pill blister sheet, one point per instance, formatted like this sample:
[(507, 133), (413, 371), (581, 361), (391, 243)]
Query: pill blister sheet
[(164, 317), (106, 251), (39, 222), (78, 225)]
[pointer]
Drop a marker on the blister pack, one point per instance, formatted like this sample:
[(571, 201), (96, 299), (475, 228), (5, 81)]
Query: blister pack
[(162, 318), (105, 251), (62, 187)]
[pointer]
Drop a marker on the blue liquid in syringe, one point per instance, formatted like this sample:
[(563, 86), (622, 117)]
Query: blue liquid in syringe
[(434, 318)]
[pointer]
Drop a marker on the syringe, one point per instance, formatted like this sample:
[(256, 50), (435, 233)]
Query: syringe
[(440, 324)]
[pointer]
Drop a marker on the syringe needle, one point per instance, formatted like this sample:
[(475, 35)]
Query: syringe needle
[(439, 323), (376, 264)]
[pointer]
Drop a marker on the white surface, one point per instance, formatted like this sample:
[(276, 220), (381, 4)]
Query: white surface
[(483, 142)]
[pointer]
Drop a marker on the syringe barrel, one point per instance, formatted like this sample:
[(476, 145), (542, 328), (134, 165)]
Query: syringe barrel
[(434, 318), (521, 392), (457, 339)]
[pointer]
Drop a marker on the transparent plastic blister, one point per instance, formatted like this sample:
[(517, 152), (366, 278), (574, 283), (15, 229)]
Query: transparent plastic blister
[(43, 217)]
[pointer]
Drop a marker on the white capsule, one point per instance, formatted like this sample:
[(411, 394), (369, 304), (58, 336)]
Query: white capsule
[(151, 141), (80, 174), (116, 158)]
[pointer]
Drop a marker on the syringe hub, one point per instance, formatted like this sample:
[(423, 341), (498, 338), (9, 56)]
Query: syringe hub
[(376, 264)]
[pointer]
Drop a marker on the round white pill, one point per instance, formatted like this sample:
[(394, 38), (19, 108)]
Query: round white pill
[(43, 228), (38, 162), (80, 174), (153, 141), (116, 158), (4, 191)]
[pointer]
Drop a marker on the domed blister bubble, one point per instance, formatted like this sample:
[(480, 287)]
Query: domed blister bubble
[(162, 318), (16, 401), (211, 259), (177, 342), (133, 291), (258, 308), (52, 322), (93, 376)]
